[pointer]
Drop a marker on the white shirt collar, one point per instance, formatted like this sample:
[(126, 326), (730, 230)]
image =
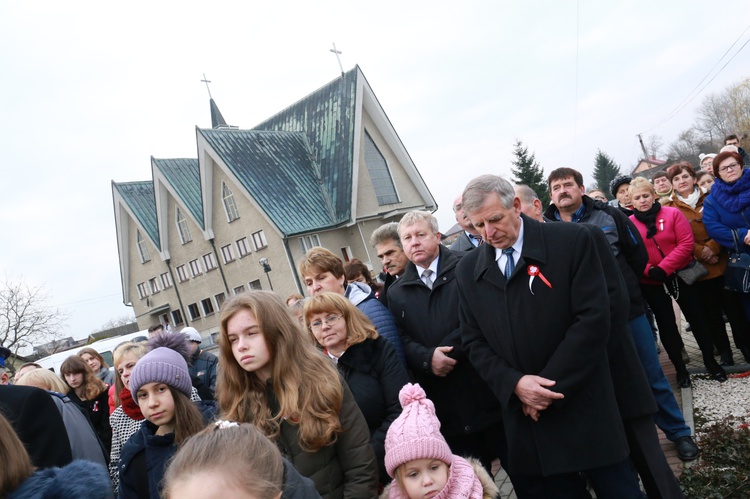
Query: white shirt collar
[(517, 248)]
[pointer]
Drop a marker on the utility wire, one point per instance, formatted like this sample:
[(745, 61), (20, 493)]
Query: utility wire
[(575, 104), (688, 99)]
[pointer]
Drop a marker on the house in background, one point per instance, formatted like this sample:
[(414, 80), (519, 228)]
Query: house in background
[(326, 171), (647, 168)]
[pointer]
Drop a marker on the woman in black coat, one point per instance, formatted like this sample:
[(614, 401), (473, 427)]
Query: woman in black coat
[(367, 362)]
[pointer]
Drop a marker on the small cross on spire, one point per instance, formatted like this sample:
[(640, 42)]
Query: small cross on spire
[(207, 81), (337, 52)]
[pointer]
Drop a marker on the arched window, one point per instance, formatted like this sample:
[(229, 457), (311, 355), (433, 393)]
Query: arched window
[(142, 248), (230, 207), (379, 173), (182, 227)]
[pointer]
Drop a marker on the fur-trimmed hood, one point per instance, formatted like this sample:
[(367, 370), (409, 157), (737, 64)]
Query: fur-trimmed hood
[(79, 479), (490, 490)]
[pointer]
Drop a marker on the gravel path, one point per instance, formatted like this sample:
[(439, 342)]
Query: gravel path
[(714, 401)]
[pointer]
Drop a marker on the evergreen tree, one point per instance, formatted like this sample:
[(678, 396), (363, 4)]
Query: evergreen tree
[(528, 172), (605, 169)]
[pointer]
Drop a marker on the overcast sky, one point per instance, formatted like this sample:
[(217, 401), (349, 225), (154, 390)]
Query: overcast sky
[(91, 90)]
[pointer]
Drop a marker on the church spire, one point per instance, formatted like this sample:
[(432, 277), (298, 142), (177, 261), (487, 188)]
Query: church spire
[(217, 120)]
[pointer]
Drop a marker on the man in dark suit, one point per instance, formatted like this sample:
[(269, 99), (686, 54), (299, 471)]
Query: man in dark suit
[(37, 422), (424, 303), (469, 238), (535, 318), (386, 241)]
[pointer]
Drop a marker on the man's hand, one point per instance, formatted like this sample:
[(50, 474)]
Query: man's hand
[(532, 392), (442, 365), (747, 239), (532, 413)]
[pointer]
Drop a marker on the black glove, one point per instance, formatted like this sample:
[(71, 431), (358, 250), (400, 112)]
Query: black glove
[(657, 274)]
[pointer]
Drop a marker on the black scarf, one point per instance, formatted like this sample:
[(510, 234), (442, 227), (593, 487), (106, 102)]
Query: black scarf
[(648, 218)]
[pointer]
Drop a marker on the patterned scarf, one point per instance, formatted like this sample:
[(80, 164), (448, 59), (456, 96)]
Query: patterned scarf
[(129, 406), (735, 198)]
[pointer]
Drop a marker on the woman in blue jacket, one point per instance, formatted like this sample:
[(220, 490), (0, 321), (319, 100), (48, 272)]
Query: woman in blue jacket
[(726, 214)]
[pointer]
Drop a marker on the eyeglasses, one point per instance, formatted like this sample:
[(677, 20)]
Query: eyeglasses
[(332, 320), (733, 166)]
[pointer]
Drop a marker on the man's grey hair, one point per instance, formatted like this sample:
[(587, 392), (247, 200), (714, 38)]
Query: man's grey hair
[(526, 194), (385, 233), (477, 190), (417, 216)]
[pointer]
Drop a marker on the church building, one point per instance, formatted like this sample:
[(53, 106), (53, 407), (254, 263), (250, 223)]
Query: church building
[(326, 171)]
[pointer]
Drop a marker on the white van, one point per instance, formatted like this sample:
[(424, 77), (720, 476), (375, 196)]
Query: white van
[(104, 347)]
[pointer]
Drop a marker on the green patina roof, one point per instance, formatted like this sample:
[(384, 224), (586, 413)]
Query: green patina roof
[(184, 176), (139, 196), (326, 117), (276, 169)]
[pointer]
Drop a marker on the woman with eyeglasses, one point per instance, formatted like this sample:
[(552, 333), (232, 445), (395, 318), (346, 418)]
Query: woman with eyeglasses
[(689, 198), (669, 242), (726, 211), (366, 361)]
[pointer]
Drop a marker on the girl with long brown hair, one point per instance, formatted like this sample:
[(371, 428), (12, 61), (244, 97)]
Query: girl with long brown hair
[(90, 393), (272, 376)]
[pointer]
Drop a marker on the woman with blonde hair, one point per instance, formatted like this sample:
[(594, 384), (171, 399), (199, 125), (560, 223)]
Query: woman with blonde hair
[(235, 459), (272, 376), (366, 361), (90, 393), (669, 243)]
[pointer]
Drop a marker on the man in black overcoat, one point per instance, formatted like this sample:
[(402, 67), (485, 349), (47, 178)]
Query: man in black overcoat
[(539, 338), (426, 313), (37, 422)]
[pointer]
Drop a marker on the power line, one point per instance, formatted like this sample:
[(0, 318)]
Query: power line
[(688, 99)]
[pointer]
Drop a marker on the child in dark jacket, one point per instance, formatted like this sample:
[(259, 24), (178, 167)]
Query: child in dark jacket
[(162, 388)]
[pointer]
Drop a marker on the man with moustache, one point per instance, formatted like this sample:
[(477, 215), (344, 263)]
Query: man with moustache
[(386, 242)]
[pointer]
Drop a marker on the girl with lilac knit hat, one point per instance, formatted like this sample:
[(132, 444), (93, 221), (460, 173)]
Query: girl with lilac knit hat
[(418, 457)]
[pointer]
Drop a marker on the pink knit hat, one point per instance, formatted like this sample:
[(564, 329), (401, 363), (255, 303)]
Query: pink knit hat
[(415, 434)]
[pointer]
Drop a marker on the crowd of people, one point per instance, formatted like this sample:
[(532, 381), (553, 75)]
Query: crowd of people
[(526, 341)]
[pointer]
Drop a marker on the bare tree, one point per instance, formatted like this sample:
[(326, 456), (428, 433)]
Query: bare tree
[(116, 322), (25, 317)]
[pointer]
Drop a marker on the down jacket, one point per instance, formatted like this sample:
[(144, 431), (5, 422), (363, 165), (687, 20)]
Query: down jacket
[(79, 479), (364, 299)]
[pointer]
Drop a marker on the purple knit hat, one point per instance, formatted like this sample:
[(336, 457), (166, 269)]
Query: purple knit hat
[(415, 434), (161, 365)]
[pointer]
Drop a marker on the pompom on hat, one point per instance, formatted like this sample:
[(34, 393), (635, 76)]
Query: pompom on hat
[(163, 365), (415, 434)]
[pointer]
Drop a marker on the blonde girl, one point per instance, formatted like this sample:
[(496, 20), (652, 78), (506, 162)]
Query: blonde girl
[(237, 460), (272, 376)]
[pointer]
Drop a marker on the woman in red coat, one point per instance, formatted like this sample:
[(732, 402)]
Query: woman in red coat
[(669, 242)]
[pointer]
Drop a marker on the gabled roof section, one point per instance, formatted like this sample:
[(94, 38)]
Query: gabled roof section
[(277, 171), (183, 175), (139, 197), (327, 117)]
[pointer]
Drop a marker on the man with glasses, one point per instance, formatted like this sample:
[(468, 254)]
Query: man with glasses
[(734, 140), (424, 303)]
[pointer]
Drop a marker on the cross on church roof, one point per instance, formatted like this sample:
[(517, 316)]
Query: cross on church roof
[(207, 81)]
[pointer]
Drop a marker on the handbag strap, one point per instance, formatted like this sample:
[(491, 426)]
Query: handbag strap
[(658, 247), (735, 239)]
